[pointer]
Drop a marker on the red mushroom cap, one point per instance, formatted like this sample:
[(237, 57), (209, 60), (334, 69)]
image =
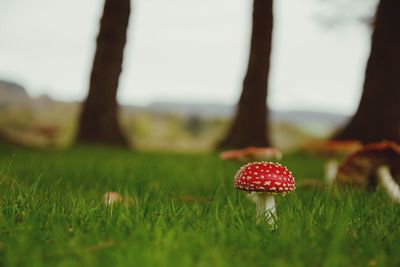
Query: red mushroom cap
[(264, 177)]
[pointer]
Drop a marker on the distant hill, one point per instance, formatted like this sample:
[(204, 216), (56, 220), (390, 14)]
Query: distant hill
[(225, 111), (300, 116), (204, 110), (13, 94)]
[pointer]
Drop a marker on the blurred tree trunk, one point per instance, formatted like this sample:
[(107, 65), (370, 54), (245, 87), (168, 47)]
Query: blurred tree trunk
[(378, 114), (250, 127), (99, 118)]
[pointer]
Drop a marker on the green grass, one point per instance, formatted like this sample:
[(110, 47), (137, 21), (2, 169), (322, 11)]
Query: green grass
[(183, 212)]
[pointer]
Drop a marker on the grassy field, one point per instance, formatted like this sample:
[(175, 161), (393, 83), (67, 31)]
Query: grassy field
[(182, 211)]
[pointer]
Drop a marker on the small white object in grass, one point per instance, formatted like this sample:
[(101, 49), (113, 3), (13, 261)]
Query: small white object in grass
[(331, 167), (110, 198)]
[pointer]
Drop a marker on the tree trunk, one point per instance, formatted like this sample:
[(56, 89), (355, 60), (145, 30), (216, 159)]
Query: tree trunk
[(99, 118), (378, 115), (250, 125)]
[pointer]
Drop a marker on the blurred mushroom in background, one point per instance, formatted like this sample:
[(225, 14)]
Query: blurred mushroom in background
[(333, 151), (375, 164), (250, 154)]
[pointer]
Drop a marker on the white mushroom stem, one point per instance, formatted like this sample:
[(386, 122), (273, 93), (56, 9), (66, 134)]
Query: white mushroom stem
[(331, 167), (265, 204), (388, 183)]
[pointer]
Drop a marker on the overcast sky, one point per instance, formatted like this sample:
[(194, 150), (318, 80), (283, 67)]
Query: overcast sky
[(187, 51)]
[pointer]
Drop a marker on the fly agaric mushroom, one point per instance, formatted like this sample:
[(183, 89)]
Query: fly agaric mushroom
[(265, 179), (375, 164), (110, 198), (334, 150), (250, 154)]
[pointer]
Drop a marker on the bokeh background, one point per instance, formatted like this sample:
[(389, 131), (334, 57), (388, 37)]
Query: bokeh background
[(183, 68)]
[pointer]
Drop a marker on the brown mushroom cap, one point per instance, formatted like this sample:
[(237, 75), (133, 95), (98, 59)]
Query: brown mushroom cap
[(335, 148), (359, 168), (250, 154)]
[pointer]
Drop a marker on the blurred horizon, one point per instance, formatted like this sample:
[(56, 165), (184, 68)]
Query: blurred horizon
[(305, 54)]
